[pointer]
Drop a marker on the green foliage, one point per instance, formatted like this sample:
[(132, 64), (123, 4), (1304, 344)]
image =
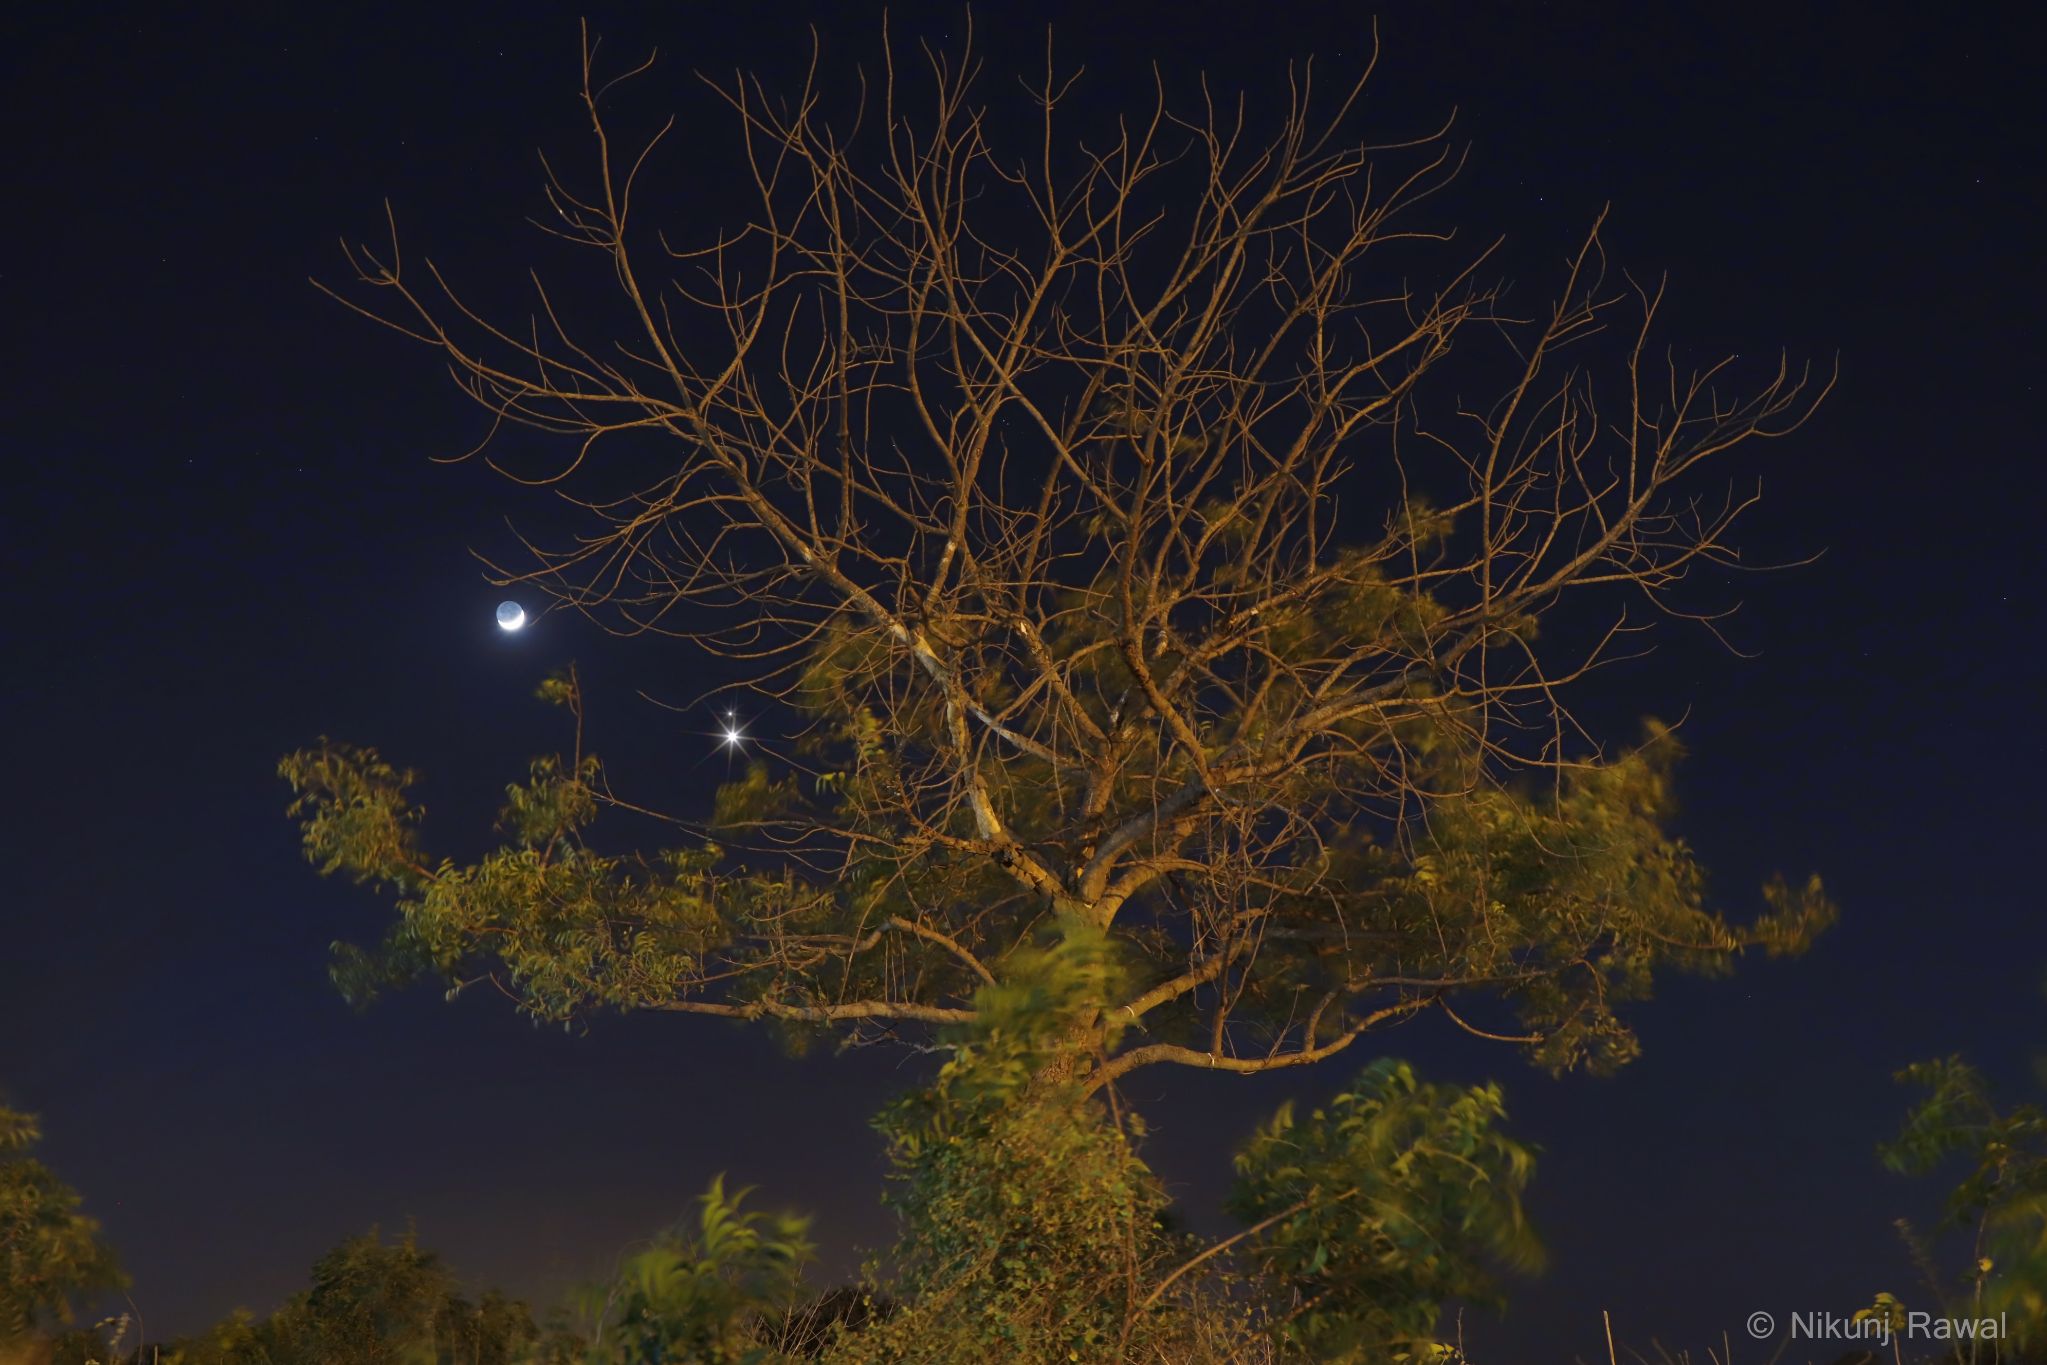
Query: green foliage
[(1564, 903), (241, 1338), (1887, 1310), (1396, 1197), (1033, 1231), (2002, 1194), (372, 1303), (707, 1296), (715, 1293), (567, 927), (1046, 993), (50, 1253), (1029, 1224), (2006, 1150), (711, 1294), (1565, 900), (353, 811), (1571, 900)]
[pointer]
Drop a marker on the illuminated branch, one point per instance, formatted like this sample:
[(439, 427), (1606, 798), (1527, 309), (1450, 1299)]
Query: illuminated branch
[(1031, 480)]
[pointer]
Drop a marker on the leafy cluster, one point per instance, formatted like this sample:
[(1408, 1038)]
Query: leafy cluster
[(1378, 1208), (373, 1303), (51, 1254), (1568, 901), (709, 1295), (2002, 1196), (566, 926), (1031, 1230), (1561, 904)]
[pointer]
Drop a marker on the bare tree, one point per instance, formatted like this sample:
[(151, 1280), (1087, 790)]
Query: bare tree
[(1106, 508)]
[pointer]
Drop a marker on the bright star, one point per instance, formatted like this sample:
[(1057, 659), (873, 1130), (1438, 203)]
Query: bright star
[(733, 737)]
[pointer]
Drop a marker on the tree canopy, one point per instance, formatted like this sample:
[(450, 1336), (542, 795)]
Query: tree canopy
[(1112, 524), (51, 1253)]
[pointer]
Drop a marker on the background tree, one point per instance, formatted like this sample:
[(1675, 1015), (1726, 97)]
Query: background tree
[(1104, 511), (377, 1303), (51, 1254)]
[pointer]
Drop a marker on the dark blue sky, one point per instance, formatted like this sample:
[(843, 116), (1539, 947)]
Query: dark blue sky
[(224, 537)]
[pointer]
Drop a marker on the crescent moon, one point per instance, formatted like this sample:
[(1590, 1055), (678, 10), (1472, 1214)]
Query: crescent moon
[(511, 616)]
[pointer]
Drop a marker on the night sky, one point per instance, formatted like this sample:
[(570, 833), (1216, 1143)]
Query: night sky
[(224, 536)]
